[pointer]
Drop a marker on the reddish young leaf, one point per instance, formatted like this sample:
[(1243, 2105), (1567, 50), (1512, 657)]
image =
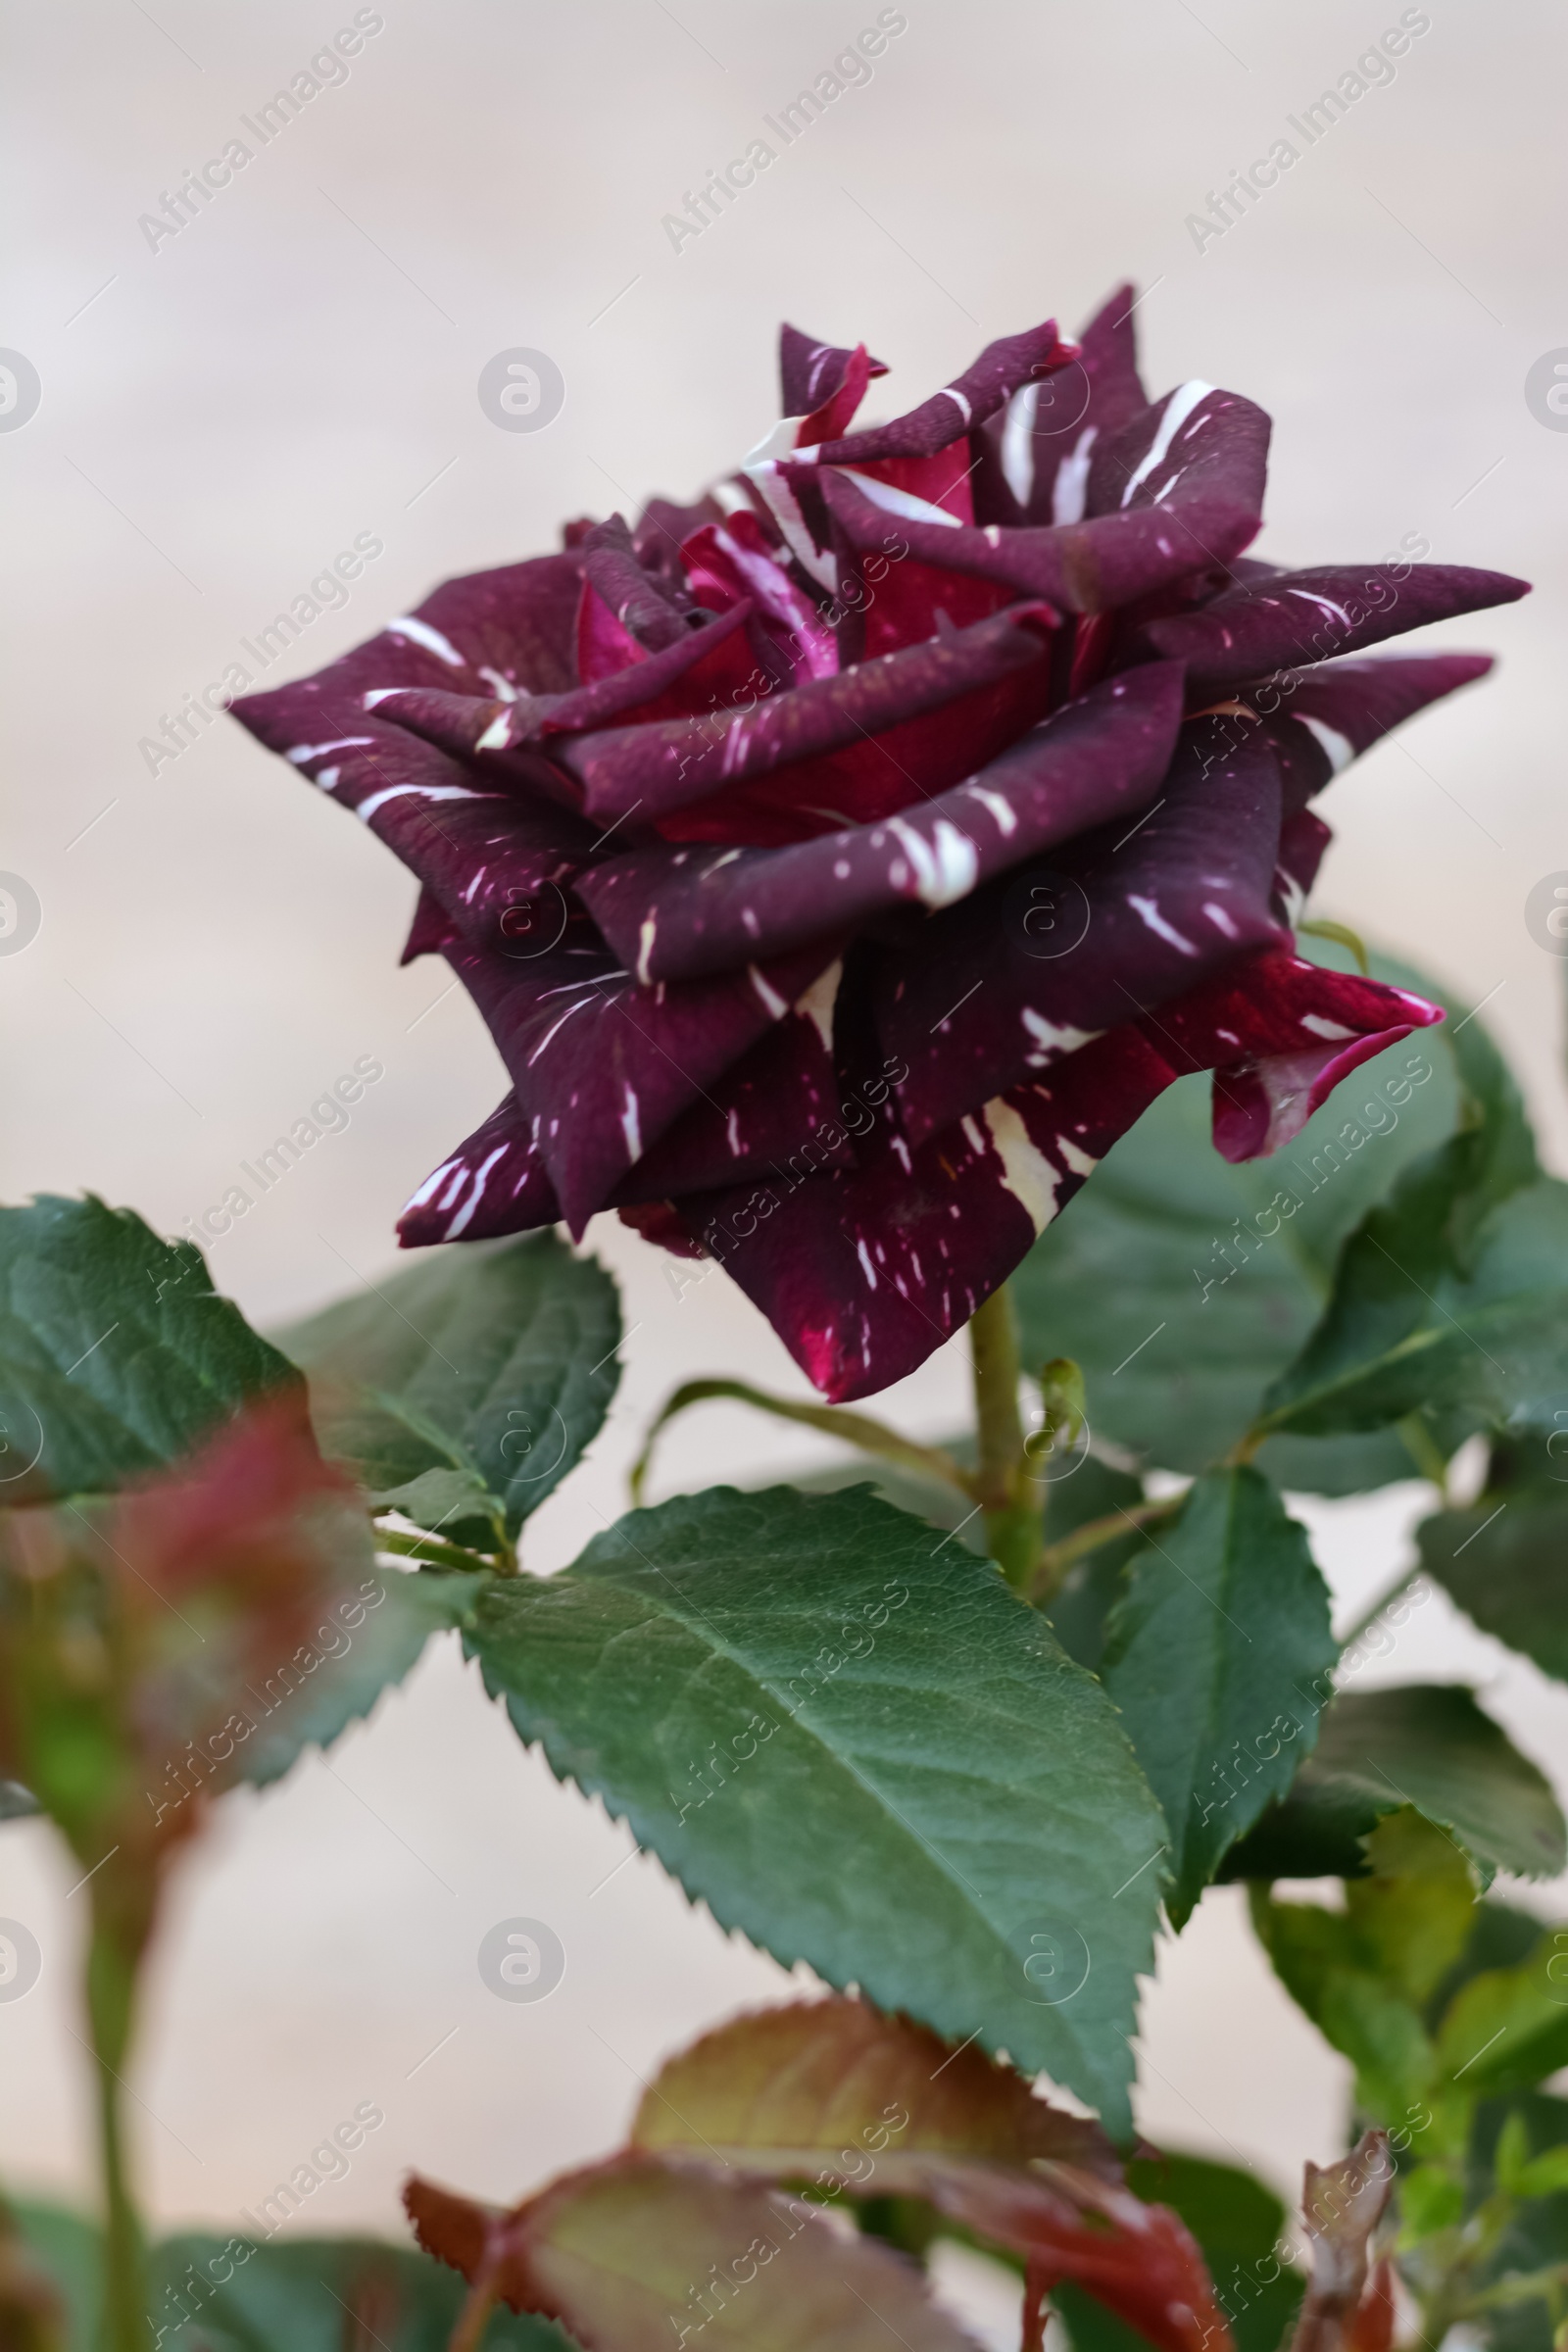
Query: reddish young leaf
[(643, 2253), (1342, 2204)]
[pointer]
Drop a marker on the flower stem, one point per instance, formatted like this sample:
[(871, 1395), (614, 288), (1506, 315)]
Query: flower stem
[(1011, 1498), (110, 1990)]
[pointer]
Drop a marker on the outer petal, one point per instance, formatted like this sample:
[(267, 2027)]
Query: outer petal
[(1033, 459), (1311, 616), (673, 915), (494, 1183), (1198, 505), (811, 373), (1334, 714), (605, 1067), (863, 1273), (1030, 967)]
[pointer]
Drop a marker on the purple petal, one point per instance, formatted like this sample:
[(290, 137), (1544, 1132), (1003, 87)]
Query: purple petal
[(1048, 429), (780, 1109), (1332, 715), (1311, 616), (810, 373), (604, 1067), (1195, 510), (669, 764), (1030, 967), (959, 407), (670, 914), (494, 1183)]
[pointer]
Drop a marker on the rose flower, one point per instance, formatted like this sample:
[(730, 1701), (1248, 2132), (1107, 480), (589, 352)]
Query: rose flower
[(842, 863)]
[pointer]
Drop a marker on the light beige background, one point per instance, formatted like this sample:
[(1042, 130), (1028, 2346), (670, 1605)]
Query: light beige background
[(222, 416)]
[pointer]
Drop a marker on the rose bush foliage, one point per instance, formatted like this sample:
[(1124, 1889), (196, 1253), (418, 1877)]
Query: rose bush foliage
[(843, 862)]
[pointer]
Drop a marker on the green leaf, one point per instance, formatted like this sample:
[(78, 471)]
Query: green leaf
[(1506, 1559), (494, 1365), (229, 2294), (1425, 1745), (1219, 1656), (116, 1356), (1328, 1970), (848, 1738), (1177, 1370), (366, 1638), (1508, 2029), (1409, 1328), (1537, 2233), (1082, 1602)]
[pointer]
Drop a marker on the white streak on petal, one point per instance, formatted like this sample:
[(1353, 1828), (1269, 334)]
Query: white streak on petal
[(1069, 492), (1026, 1172), (770, 995), (865, 1256), (951, 392), (945, 866), (630, 1126), (1340, 749), (1054, 1038), (816, 1005), (902, 502), (420, 632), (645, 947), (1079, 1161), (1018, 442), (1001, 810), (1149, 913), (1220, 919), (1180, 406), (428, 791), (496, 736), (1320, 1027), (312, 750), (464, 1215)]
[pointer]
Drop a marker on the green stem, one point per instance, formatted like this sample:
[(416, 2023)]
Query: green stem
[(861, 1429), (1056, 1558), (1012, 1499), (1374, 1607), (111, 1990), (434, 1554)]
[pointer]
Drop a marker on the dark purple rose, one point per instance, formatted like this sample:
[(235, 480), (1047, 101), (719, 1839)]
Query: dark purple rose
[(844, 863)]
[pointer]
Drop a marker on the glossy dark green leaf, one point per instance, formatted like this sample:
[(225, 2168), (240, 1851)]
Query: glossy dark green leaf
[(1183, 1285), (844, 1734), (1219, 1655), (229, 2294), (1506, 1559), (116, 1356), (1425, 1745), (467, 1388)]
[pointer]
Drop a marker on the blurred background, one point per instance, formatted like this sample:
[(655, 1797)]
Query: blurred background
[(196, 422)]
